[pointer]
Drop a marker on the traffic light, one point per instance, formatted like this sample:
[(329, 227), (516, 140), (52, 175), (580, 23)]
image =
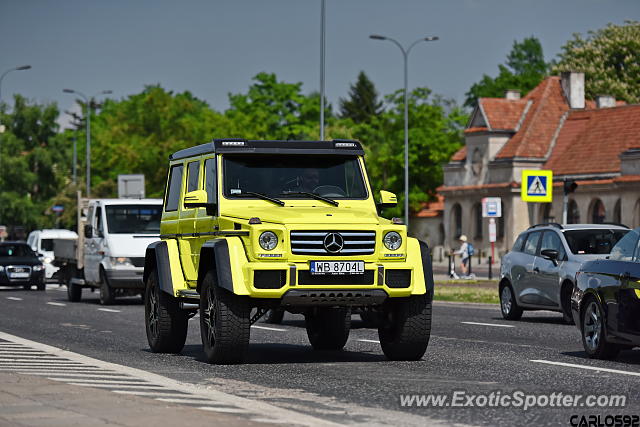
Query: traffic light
[(570, 186)]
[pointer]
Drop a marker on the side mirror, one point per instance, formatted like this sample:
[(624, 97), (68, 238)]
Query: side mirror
[(198, 199), (88, 231), (550, 254), (387, 200)]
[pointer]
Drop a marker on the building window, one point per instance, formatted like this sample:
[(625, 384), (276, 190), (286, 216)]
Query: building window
[(500, 223), (598, 212), (617, 212), (441, 235), (573, 214), (636, 215), (456, 221), (476, 162), (477, 217)]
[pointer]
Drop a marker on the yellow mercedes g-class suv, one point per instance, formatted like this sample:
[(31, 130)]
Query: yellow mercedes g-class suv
[(249, 226)]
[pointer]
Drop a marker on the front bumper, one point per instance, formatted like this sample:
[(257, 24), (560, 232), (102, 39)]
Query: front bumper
[(129, 278), (35, 278), (295, 282)]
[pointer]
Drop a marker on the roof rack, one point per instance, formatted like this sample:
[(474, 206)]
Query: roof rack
[(615, 223), (547, 224)]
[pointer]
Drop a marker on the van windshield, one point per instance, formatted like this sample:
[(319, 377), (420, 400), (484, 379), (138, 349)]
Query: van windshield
[(594, 241), (134, 219), (290, 176)]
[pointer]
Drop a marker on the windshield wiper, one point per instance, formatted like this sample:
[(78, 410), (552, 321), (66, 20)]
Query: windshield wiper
[(261, 196), (312, 195)]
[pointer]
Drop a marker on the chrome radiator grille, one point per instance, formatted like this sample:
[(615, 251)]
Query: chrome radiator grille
[(333, 243)]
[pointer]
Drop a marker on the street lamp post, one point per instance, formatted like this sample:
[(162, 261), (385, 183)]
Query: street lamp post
[(21, 68), (405, 56), (88, 120), (322, 66)]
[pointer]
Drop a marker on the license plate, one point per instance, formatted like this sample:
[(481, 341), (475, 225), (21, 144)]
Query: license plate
[(19, 275), (337, 267)]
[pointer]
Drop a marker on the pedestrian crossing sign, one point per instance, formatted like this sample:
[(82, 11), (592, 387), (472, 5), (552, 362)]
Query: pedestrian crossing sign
[(537, 186)]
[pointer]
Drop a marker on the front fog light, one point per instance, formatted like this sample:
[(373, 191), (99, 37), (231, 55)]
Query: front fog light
[(392, 240), (268, 240)]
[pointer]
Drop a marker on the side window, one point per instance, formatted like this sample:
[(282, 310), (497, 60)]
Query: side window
[(98, 220), (193, 170), (551, 240), (531, 244), (517, 246), (625, 248), (173, 195), (210, 180)]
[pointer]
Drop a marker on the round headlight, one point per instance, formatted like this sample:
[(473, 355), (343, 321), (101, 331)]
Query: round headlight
[(392, 240), (268, 240)]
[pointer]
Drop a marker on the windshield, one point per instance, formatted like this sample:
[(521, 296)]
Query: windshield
[(287, 176), (16, 250), (595, 241), (46, 245), (134, 219)]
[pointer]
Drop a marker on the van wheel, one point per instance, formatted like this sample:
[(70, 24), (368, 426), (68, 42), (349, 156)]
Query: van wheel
[(406, 328), (508, 305), (328, 328), (107, 295), (225, 323), (74, 292), (165, 322), (593, 332)]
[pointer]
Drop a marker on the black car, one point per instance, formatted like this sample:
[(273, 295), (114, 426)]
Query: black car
[(20, 266), (606, 300)]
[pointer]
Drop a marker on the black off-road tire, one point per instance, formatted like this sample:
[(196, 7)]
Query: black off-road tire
[(26, 287), (508, 305), (107, 293), (166, 323), (328, 328), (406, 328), (600, 348), (225, 323), (274, 316)]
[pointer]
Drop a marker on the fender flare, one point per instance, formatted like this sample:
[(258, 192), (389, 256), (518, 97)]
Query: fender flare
[(215, 255), (157, 257), (427, 268)]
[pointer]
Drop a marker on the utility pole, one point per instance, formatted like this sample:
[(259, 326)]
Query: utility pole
[(322, 66)]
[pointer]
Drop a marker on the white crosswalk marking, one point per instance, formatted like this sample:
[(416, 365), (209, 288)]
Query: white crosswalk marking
[(33, 358), (58, 304)]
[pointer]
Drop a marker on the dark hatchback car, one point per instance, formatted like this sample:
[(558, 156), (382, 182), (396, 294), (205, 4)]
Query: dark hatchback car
[(606, 300), (20, 266)]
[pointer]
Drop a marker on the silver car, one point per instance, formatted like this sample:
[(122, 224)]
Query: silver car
[(539, 272)]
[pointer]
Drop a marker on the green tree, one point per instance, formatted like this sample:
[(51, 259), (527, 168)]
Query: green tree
[(363, 102), (33, 163), (273, 109), (435, 133), (610, 59), (524, 69)]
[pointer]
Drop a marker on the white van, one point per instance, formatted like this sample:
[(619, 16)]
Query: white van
[(41, 241)]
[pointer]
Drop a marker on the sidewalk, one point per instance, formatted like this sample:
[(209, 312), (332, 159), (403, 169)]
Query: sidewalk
[(27, 400), (481, 271)]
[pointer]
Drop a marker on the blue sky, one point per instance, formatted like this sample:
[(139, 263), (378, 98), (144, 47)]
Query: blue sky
[(215, 47)]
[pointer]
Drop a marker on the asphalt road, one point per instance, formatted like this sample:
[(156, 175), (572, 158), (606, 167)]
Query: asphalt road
[(357, 385)]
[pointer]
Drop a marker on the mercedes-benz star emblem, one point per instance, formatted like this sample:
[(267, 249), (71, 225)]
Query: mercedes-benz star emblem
[(333, 242)]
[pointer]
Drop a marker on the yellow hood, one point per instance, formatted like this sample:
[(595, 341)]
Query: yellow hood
[(309, 215)]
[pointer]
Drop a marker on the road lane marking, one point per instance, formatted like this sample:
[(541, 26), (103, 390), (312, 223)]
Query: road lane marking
[(498, 325), (373, 341), (163, 386), (109, 310), (266, 328), (217, 409), (57, 304), (167, 393), (186, 399), (128, 381), (79, 374), (14, 298), (590, 368), (117, 386)]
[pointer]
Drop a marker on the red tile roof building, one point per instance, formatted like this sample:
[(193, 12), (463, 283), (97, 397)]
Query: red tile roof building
[(596, 143)]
